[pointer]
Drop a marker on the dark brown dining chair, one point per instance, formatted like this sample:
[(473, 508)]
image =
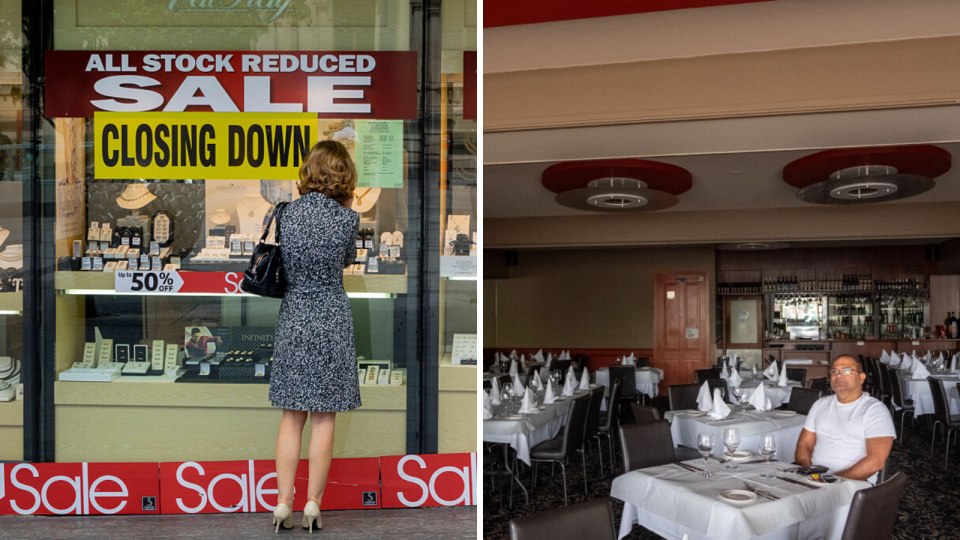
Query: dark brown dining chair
[(897, 402), (822, 384), (683, 396), (570, 440), (608, 422), (704, 374), (942, 416), (873, 511), (593, 422), (718, 384), (797, 374), (801, 399), (649, 445), (627, 376), (879, 373), (642, 361), (590, 520), (644, 413)]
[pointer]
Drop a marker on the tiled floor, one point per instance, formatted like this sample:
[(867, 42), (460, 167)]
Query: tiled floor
[(412, 524)]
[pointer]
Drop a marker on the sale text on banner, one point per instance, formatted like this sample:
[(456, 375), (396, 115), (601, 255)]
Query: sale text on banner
[(429, 480), (370, 85), (170, 282), (177, 146)]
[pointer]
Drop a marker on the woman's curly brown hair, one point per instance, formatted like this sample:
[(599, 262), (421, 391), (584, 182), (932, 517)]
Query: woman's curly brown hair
[(329, 169)]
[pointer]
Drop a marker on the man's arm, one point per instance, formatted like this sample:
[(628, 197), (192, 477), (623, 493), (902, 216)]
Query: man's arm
[(805, 444), (878, 448)]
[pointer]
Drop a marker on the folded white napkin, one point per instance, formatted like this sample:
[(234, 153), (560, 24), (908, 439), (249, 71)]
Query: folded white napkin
[(517, 385), (550, 396), (719, 409), (782, 381), (704, 401), (735, 379), (494, 391), (894, 359), (513, 368), (585, 380), (549, 358), (567, 357), (759, 399), (523, 363), (907, 362), (627, 361), (487, 406), (486, 400), (528, 404), (535, 381), (919, 371), (929, 355), (487, 415), (549, 361), (724, 374), (884, 357), (539, 356), (953, 362), (771, 372), (572, 374), (569, 386)]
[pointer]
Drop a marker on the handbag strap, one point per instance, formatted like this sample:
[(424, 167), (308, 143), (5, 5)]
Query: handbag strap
[(275, 216)]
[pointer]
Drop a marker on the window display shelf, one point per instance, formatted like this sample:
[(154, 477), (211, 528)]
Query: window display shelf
[(457, 378), (11, 303), (103, 283)]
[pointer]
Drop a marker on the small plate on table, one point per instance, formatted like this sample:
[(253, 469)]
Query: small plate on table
[(739, 455), (542, 407), (823, 479), (594, 385), (738, 497), (695, 413), (513, 416), (786, 413)]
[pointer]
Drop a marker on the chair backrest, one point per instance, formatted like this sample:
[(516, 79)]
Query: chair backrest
[(627, 375), (641, 361), (797, 374), (575, 428), (646, 445), (940, 406), (718, 383), (873, 510), (487, 385), (530, 372), (683, 396), (896, 387), (704, 374), (563, 366), (644, 413), (503, 379), (866, 361), (593, 413), (880, 375), (822, 384), (801, 399), (612, 405), (590, 520)]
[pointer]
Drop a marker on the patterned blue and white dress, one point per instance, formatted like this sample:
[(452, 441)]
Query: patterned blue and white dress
[(315, 362)]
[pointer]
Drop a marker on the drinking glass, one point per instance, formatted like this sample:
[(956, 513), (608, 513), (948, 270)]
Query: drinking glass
[(731, 440), (754, 372), (768, 449), (705, 442), (508, 392), (737, 393)]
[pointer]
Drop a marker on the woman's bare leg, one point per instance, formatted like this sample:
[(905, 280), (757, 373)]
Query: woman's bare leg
[(321, 452), (288, 453)]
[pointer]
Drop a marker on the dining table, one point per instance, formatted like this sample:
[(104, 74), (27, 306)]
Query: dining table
[(753, 424), (919, 391), (647, 379), (675, 501), (778, 395)]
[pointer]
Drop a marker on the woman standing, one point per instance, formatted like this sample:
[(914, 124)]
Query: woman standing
[(315, 363)]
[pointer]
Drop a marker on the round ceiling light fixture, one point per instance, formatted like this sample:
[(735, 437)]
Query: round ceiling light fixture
[(753, 246), (616, 185), (867, 175)]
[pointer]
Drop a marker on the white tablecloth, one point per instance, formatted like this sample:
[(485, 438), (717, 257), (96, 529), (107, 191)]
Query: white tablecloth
[(672, 501), (529, 431), (919, 391), (647, 380), (752, 425)]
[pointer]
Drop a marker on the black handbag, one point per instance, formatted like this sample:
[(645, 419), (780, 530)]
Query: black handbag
[(265, 276)]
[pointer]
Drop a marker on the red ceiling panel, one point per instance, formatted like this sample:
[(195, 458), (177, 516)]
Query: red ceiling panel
[(512, 13)]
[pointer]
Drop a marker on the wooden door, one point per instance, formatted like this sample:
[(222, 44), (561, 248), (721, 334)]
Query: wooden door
[(681, 326)]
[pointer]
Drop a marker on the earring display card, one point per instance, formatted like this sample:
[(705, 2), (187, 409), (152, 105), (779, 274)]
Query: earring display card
[(170, 359), (106, 352), (156, 356), (396, 377), (89, 355), (123, 353)]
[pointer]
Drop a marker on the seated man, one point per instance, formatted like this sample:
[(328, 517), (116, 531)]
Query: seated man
[(850, 433)]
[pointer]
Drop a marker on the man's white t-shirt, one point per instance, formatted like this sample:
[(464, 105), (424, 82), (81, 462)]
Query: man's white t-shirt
[(843, 428)]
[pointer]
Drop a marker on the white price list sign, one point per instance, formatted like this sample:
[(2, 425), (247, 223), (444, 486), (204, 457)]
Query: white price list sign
[(147, 282), (456, 266), (465, 350)]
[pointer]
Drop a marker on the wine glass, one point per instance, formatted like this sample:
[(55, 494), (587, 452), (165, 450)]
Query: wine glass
[(507, 392), (731, 440), (737, 393), (705, 442), (768, 449), (754, 372)]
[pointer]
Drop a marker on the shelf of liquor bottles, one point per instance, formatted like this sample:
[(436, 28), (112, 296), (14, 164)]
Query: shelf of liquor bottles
[(816, 281)]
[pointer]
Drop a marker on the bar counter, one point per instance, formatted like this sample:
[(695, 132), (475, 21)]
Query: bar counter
[(828, 349)]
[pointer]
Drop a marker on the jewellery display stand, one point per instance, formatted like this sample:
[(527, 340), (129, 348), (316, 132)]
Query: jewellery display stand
[(364, 199), (137, 219), (12, 256), (251, 211)]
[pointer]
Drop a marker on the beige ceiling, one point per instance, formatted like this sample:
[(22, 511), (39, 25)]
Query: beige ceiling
[(764, 26)]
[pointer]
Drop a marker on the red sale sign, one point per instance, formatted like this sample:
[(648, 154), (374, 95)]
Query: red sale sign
[(79, 488), (470, 85), (251, 486), (369, 85), (429, 480)]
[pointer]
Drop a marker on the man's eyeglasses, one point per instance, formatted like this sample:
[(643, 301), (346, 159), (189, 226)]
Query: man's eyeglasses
[(844, 371)]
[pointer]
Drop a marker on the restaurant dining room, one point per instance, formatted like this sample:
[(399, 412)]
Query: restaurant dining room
[(721, 270)]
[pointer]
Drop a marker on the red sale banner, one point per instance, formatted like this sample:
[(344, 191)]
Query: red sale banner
[(368, 85), (470, 85), (251, 486), (79, 488), (429, 480)]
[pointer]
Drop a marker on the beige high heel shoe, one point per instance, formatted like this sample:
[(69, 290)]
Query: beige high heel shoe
[(311, 514), (282, 515)]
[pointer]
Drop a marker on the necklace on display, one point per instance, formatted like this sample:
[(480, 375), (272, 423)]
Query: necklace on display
[(6, 256), (359, 197), (124, 198), (253, 210)]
